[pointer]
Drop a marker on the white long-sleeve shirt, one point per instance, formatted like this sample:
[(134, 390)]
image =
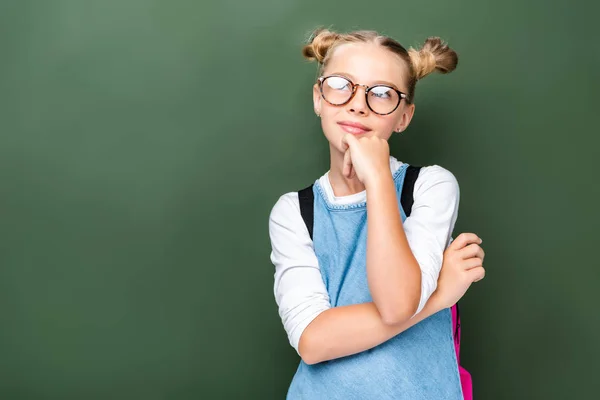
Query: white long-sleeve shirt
[(299, 289)]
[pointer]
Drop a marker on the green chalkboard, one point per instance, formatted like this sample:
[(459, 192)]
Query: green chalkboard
[(143, 144)]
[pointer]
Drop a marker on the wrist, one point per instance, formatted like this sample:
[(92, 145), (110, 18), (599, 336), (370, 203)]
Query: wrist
[(436, 303), (377, 179)]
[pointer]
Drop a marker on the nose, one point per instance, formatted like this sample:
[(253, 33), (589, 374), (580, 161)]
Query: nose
[(358, 103)]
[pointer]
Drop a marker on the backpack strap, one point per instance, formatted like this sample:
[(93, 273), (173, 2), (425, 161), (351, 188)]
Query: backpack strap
[(306, 198), (406, 197), (457, 329)]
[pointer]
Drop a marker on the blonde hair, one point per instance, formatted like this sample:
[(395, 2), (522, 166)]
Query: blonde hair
[(434, 55)]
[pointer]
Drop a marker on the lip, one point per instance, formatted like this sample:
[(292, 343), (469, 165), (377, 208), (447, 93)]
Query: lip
[(354, 127)]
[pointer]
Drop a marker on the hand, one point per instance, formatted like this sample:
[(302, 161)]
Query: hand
[(366, 157), (462, 265)]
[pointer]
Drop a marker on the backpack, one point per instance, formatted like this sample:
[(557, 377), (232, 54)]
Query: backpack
[(306, 200)]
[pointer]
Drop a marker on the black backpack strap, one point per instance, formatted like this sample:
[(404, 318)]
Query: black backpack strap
[(457, 331), (306, 198), (406, 197)]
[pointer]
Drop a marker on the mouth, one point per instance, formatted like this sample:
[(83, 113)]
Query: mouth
[(354, 128)]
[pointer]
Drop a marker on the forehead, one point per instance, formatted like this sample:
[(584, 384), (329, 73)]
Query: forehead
[(368, 63)]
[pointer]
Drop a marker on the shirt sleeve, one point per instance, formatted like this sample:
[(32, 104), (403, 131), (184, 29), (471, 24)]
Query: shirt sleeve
[(299, 289), (431, 222)]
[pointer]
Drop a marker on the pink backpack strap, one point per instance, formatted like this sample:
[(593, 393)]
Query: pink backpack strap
[(465, 377)]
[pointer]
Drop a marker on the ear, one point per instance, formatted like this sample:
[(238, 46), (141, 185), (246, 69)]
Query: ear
[(317, 99), (407, 113)]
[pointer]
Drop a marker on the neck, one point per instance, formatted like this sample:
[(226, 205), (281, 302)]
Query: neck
[(341, 185)]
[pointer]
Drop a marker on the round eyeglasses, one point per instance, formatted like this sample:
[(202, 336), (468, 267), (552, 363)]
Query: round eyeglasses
[(381, 99)]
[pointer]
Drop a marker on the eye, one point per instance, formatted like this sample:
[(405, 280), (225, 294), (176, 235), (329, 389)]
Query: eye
[(338, 83), (382, 92)]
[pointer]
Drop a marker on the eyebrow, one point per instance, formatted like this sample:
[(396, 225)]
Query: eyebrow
[(374, 83)]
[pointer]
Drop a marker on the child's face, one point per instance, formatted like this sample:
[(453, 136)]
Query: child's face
[(364, 64)]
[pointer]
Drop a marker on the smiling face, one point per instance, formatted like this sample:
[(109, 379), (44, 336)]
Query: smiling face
[(366, 64)]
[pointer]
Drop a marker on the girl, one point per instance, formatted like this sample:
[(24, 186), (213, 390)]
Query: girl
[(346, 295)]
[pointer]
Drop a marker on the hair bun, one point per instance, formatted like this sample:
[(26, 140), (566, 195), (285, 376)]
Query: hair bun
[(435, 55), (319, 43)]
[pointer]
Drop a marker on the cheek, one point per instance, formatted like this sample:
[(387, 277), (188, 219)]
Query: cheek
[(333, 133), (385, 126), (329, 114), (330, 127)]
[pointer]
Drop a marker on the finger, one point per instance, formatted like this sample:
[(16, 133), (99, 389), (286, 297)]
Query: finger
[(470, 251), (471, 263), (347, 168), (464, 239), (461, 241), (345, 142), (476, 274), (348, 140)]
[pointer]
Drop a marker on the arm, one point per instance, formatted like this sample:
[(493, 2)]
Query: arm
[(423, 238), (401, 273), (393, 272), (431, 222), (347, 330)]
